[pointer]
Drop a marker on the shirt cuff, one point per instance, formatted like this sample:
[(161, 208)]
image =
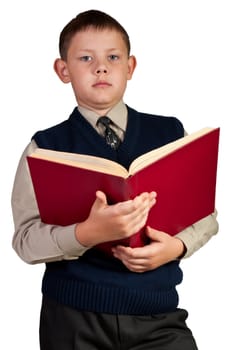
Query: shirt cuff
[(186, 236), (68, 243), (197, 235)]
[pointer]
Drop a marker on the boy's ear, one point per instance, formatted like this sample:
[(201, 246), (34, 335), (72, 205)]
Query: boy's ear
[(131, 66), (61, 70)]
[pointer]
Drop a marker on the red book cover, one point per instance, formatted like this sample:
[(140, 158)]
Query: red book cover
[(184, 180)]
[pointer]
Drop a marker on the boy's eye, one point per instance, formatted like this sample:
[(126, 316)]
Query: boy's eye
[(86, 58), (113, 57)]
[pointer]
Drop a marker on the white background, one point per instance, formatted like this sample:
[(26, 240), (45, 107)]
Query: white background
[(184, 58)]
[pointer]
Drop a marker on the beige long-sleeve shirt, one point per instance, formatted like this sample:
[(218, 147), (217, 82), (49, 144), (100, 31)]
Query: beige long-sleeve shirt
[(36, 242)]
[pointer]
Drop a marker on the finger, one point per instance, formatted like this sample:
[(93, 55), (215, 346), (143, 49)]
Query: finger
[(153, 197), (139, 209), (137, 219), (135, 268), (141, 254), (132, 262), (142, 199)]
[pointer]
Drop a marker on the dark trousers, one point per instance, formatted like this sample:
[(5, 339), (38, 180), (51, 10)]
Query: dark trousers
[(62, 328)]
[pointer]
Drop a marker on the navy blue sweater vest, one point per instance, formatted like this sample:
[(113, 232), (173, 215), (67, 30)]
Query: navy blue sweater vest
[(99, 283)]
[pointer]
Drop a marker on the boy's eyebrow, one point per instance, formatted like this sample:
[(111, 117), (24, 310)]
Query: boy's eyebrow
[(92, 50)]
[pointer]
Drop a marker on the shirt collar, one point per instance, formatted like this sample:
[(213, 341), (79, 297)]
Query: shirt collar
[(118, 114)]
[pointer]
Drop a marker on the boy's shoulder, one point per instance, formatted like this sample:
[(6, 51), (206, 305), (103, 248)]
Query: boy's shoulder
[(161, 121), (53, 135)]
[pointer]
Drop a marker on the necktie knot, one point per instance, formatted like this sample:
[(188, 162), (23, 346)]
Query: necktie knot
[(110, 135), (105, 121)]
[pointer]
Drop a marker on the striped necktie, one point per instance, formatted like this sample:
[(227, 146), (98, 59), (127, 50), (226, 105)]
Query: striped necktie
[(110, 135)]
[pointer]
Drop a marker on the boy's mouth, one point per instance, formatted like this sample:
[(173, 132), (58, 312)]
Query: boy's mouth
[(101, 83)]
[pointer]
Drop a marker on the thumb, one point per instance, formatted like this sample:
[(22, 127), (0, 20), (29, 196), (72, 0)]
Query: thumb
[(154, 235), (101, 198), (100, 201)]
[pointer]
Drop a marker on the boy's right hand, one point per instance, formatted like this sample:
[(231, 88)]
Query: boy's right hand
[(112, 222)]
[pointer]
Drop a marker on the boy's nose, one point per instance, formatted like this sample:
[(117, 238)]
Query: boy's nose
[(101, 70), (101, 67)]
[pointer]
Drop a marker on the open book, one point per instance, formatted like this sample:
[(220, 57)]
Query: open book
[(183, 173)]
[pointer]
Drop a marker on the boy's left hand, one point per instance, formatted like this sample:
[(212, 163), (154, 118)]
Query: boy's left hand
[(162, 249)]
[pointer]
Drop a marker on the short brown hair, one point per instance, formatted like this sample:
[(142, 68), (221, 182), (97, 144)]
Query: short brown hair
[(85, 20)]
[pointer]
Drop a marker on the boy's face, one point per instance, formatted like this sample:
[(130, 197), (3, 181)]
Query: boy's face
[(98, 68)]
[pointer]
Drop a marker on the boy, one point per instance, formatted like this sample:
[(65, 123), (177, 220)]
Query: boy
[(92, 301)]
